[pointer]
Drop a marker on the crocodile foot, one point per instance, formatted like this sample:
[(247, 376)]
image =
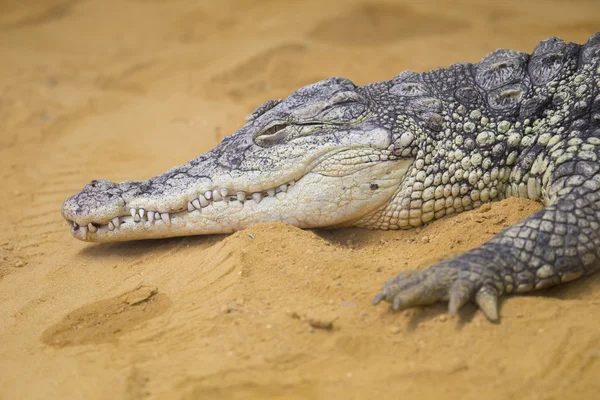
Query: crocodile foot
[(457, 280)]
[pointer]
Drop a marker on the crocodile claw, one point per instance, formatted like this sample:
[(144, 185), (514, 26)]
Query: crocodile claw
[(487, 301), (444, 281)]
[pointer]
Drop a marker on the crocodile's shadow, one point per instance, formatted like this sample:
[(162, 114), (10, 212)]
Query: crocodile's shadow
[(435, 313), (137, 248)]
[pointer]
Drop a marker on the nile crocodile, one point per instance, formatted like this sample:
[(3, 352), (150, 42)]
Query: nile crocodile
[(399, 154)]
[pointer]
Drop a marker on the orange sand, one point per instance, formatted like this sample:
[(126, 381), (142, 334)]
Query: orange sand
[(120, 90)]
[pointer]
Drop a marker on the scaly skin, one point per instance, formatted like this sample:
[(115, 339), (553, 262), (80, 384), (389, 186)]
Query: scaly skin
[(398, 154)]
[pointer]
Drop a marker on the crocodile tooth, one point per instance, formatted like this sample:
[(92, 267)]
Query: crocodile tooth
[(203, 201), (84, 230), (292, 182), (208, 194), (111, 227), (92, 227), (133, 212), (223, 192), (283, 187), (196, 203), (241, 196), (75, 224), (271, 192), (141, 212), (150, 216), (116, 222), (257, 197), (137, 218), (190, 207), (166, 218), (216, 195)]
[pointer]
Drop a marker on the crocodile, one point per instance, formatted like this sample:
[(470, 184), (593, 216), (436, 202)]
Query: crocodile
[(398, 154)]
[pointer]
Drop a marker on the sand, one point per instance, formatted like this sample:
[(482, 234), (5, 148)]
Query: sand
[(123, 90)]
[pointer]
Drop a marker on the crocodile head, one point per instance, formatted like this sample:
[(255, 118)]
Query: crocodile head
[(326, 156)]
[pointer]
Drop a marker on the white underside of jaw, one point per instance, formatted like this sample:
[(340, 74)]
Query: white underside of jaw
[(314, 201)]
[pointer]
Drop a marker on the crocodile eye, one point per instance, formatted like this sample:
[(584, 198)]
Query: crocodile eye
[(274, 134)]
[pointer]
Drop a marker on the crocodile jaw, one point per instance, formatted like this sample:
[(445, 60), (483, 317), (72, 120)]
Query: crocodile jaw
[(316, 200)]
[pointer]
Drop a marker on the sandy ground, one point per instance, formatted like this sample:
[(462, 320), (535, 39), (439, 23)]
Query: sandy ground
[(122, 90)]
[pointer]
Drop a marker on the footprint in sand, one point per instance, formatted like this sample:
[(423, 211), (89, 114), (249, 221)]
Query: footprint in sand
[(17, 15), (377, 24), (106, 320)]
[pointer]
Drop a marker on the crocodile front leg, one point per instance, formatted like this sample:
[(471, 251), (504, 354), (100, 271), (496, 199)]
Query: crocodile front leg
[(557, 244)]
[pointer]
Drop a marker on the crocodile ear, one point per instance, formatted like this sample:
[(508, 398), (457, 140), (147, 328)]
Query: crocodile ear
[(263, 108)]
